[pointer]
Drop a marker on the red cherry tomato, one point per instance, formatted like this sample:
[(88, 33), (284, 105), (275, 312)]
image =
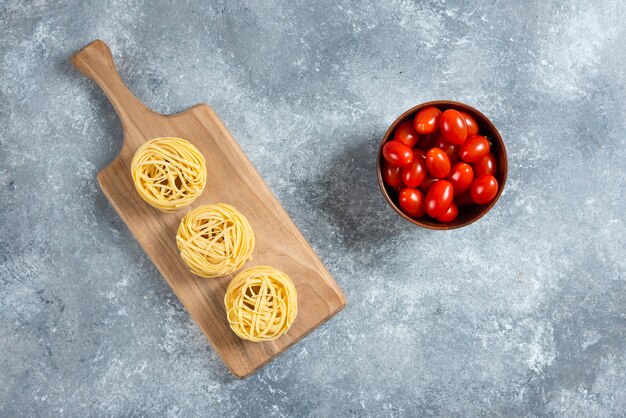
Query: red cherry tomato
[(464, 200), (448, 148), (484, 189), (438, 163), (461, 177), (426, 142), (411, 202), (439, 198), (415, 173), (397, 153), (450, 214), (392, 174), (405, 133), (427, 120), (428, 181), (453, 127), (486, 165), (474, 149), (470, 122)]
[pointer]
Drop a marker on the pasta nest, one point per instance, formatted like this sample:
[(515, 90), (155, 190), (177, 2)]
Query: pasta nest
[(169, 173), (261, 303), (215, 240)]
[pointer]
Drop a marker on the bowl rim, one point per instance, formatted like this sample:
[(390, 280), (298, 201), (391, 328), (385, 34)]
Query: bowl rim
[(439, 104)]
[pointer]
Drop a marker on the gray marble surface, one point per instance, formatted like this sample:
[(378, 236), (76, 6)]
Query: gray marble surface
[(522, 313)]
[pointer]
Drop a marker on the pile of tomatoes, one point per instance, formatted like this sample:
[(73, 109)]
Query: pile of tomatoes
[(438, 162)]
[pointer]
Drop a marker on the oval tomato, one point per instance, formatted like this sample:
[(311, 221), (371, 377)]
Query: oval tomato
[(428, 181), (411, 202), (405, 133), (470, 122), (453, 127), (415, 173), (450, 214), (397, 153), (448, 148), (474, 149), (461, 177), (486, 165), (484, 189), (392, 174), (427, 120), (439, 198), (438, 163)]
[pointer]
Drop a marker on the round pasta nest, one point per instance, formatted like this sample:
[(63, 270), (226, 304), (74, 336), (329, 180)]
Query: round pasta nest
[(215, 240), (169, 173), (261, 303)]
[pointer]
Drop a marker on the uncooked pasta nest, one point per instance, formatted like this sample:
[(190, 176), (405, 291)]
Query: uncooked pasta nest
[(261, 303), (169, 173), (215, 240)]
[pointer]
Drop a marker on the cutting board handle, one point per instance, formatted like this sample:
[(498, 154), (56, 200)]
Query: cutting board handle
[(96, 62)]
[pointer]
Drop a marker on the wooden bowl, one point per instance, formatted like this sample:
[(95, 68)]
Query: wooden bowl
[(468, 214)]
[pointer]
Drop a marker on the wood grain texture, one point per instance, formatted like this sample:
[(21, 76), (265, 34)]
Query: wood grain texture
[(231, 178)]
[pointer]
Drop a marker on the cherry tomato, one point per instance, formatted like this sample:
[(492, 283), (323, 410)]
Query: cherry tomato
[(405, 133), (397, 153), (450, 214), (486, 165), (415, 173), (470, 122), (426, 120), (411, 202), (461, 177), (426, 142), (438, 163), (464, 200), (484, 189), (438, 198), (428, 181), (448, 148), (474, 149), (392, 174), (453, 127)]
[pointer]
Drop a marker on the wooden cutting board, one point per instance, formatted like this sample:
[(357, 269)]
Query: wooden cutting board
[(231, 178)]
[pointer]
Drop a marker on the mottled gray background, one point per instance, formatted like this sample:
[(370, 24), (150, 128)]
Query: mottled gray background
[(522, 313)]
